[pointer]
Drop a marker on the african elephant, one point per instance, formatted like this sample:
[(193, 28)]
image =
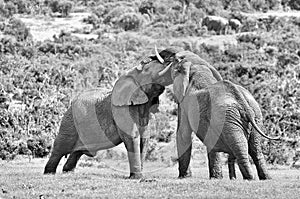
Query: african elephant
[(97, 121), (235, 25), (216, 23), (220, 114), (207, 75)]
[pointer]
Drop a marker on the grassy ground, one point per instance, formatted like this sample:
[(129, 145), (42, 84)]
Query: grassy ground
[(23, 179)]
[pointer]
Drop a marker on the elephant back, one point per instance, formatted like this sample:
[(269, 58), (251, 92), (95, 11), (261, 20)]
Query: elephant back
[(93, 120)]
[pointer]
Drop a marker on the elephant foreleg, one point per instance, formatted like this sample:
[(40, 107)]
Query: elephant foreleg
[(72, 161), (231, 167), (184, 146), (143, 147), (144, 143), (214, 165), (184, 160), (132, 145)]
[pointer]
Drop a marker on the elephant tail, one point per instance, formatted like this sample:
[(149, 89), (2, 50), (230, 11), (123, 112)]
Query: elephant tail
[(260, 131), (249, 116)]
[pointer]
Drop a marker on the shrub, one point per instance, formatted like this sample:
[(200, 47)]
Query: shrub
[(8, 149), (160, 127), (94, 20), (11, 8), (39, 147), (147, 7), (211, 7), (113, 16), (187, 29), (8, 45), (22, 6), (18, 29), (54, 4), (130, 21), (294, 4)]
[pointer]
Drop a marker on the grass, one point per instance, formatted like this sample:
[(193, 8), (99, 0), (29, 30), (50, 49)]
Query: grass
[(23, 179)]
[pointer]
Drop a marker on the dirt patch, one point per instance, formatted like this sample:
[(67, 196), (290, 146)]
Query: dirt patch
[(273, 13), (44, 28)]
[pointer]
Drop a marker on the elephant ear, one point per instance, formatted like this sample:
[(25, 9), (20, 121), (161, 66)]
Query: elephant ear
[(126, 92), (181, 81)]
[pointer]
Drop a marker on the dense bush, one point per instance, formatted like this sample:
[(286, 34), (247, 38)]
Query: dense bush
[(17, 28), (130, 21), (294, 4), (38, 79), (7, 9)]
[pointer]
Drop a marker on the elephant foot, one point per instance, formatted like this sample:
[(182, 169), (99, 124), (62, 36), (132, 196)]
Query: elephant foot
[(49, 172), (68, 170), (135, 176), (265, 177), (216, 177), (187, 174)]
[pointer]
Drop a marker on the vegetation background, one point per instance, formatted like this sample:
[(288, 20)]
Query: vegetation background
[(50, 50), (39, 76)]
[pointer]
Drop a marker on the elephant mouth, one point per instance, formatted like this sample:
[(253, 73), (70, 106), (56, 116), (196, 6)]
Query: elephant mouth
[(153, 90), (141, 113)]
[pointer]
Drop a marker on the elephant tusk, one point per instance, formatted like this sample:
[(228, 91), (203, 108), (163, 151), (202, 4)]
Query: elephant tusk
[(160, 59), (164, 70)]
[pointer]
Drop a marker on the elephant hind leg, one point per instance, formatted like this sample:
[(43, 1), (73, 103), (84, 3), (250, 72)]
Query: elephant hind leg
[(231, 167), (52, 163), (72, 161), (214, 165), (237, 142), (244, 164), (257, 156)]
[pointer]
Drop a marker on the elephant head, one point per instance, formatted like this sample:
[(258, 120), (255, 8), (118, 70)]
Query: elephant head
[(135, 94), (178, 66), (132, 87)]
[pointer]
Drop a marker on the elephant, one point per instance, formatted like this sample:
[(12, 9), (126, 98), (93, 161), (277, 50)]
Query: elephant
[(221, 117), (207, 75), (100, 120), (192, 71), (216, 23), (235, 25)]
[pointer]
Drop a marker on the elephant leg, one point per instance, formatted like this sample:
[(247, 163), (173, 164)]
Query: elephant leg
[(132, 145), (184, 146), (231, 167), (143, 147), (214, 165), (144, 144), (63, 145), (257, 156), (72, 161), (237, 142), (64, 142), (52, 163)]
